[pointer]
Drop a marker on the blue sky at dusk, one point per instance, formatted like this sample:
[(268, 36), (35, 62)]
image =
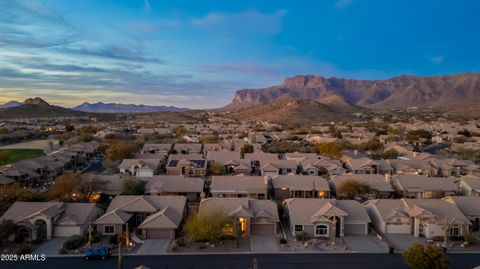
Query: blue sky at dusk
[(198, 53)]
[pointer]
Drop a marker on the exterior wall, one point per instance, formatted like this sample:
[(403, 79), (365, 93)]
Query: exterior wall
[(145, 174), (377, 220), (118, 229), (398, 229), (263, 229), (282, 194)]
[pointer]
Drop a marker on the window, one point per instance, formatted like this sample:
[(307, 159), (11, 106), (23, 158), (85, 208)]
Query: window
[(298, 228), (109, 229), (311, 172), (454, 231), (321, 230)]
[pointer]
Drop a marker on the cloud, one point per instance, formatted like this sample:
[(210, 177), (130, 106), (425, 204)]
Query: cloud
[(437, 59), (245, 22), (146, 6), (342, 4)]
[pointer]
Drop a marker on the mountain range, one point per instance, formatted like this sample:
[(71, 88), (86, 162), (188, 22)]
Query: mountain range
[(37, 108), (124, 108), (402, 91)]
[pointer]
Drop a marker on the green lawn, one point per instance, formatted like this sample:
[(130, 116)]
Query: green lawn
[(8, 156)]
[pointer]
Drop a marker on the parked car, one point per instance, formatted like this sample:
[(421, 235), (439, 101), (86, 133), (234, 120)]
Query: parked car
[(98, 253)]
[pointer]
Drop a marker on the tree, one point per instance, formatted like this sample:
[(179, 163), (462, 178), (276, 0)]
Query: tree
[(69, 128), (63, 188), (351, 188), (208, 227), (7, 228), (89, 184), (120, 149), (419, 256), (179, 130), (216, 168), (12, 193), (133, 186), (390, 154), (331, 149), (373, 145), (247, 148)]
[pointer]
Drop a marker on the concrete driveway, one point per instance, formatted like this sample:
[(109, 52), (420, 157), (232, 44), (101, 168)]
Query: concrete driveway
[(404, 241), (365, 243), (154, 247), (263, 244), (51, 247)]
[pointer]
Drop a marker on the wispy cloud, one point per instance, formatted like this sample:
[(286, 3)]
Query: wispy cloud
[(146, 6), (342, 4), (245, 22), (437, 59)]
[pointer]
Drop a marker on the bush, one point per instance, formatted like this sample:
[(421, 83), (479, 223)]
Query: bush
[(63, 251), (23, 249), (19, 239), (74, 242), (113, 239), (7, 227), (181, 242), (283, 241)]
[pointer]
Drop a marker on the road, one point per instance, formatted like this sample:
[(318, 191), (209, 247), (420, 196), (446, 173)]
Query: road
[(244, 261)]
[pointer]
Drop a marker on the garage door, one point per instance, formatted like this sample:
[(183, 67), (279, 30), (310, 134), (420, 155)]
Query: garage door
[(159, 234), (263, 229), (398, 229), (355, 229), (66, 231)]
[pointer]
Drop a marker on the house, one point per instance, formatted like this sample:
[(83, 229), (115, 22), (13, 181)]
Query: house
[(324, 167), (190, 187), (230, 160), (323, 217), (5, 180), (280, 167), (155, 217), (239, 186), (424, 187), (297, 156), (368, 166), (412, 167), (143, 168), (193, 165), (420, 217), (187, 148), (45, 220), (298, 186), (379, 184), (256, 217), (470, 207), (113, 184), (469, 185), (163, 149)]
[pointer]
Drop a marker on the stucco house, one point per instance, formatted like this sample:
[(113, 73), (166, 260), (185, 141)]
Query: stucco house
[(143, 168), (256, 217), (193, 165), (322, 217), (155, 217), (190, 187), (324, 167), (45, 220), (299, 186), (239, 186), (379, 184), (424, 187), (469, 185), (420, 217)]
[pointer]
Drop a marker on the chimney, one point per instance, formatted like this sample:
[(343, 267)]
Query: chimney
[(387, 177)]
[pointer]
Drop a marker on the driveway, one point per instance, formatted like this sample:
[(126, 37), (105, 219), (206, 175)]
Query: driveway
[(366, 243), (51, 247), (154, 247), (404, 241), (263, 244)]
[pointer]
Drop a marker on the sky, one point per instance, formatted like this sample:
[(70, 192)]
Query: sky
[(198, 53)]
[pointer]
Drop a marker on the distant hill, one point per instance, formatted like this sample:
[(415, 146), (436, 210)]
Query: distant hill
[(38, 108), (399, 91), (11, 104), (293, 111), (124, 108)]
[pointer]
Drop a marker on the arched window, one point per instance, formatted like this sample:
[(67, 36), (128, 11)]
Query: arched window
[(321, 230)]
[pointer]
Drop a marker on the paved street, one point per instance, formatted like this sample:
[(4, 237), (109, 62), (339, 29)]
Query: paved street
[(154, 247), (51, 247), (244, 261), (365, 243), (263, 244)]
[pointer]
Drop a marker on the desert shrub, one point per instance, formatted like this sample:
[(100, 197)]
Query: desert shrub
[(74, 242), (283, 241), (63, 251), (23, 249)]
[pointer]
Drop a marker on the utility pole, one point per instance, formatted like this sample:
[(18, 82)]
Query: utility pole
[(120, 256), (334, 230)]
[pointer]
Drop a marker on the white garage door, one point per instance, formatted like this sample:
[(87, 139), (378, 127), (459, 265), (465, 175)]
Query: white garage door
[(398, 229), (355, 229), (66, 231)]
